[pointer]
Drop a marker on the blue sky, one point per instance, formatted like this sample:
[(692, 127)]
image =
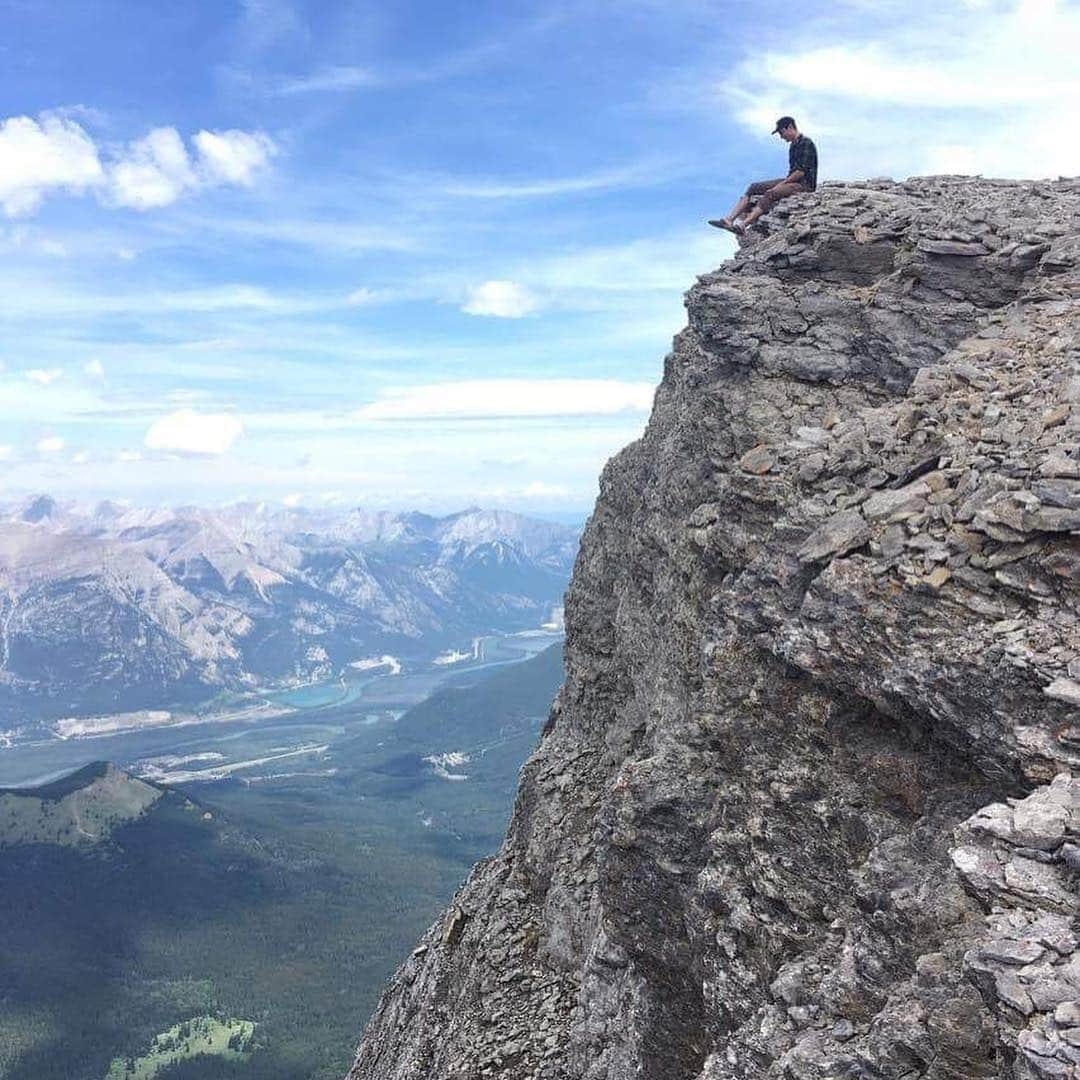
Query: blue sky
[(429, 254)]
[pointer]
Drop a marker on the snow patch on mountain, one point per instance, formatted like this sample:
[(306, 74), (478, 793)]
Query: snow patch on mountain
[(373, 663), (443, 763)]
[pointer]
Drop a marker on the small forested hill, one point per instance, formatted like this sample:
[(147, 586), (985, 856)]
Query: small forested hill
[(81, 808), (107, 882)]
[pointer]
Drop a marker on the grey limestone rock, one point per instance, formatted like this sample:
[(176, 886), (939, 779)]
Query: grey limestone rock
[(804, 807)]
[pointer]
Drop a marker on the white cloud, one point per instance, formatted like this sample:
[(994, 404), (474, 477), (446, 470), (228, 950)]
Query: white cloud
[(188, 432), (95, 369), (292, 500), (38, 156), (359, 297), (6, 452), (994, 93), (81, 458), (50, 444), (55, 153), (489, 398), (128, 456), (43, 376), (501, 299), (154, 171), (233, 157)]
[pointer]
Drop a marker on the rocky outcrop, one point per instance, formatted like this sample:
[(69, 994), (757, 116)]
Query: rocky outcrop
[(1019, 858), (804, 807)]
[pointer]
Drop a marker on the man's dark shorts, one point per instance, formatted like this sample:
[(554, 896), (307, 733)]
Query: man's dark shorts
[(769, 192)]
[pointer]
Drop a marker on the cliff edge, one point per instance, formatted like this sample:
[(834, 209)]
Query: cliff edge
[(805, 804)]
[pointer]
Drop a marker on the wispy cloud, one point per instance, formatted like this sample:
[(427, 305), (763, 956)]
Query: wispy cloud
[(267, 22), (30, 241), (327, 79), (629, 278), (638, 175), (473, 399), (993, 92), (34, 302), (279, 20), (970, 80), (341, 235), (582, 276)]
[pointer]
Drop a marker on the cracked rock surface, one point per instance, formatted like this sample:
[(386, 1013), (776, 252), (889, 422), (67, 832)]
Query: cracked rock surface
[(804, 807)]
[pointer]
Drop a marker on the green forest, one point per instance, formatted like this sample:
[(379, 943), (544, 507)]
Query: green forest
[(284, 904)]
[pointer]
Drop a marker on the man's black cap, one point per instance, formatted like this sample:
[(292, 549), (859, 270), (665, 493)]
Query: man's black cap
[(783, 122)]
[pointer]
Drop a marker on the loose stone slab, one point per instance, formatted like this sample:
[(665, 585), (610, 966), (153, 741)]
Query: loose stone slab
[(842, 533)]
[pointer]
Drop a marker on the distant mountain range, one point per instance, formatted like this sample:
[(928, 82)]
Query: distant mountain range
[(111, 607)]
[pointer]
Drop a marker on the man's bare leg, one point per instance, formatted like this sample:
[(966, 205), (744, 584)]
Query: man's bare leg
[(731, 222), (752, 217), (740, 208)]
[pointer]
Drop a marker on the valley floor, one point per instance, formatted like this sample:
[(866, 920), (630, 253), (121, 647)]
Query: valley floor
[(320, 844)]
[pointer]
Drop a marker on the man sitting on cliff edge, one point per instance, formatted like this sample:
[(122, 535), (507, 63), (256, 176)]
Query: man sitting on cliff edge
[(802, 176)]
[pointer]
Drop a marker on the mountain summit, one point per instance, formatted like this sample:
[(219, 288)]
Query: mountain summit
[(805, 806)]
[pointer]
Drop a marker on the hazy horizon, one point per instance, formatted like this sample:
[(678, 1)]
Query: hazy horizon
[(433, 507)]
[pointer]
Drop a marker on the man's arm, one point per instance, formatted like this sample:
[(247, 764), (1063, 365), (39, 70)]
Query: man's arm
[(792, 178)]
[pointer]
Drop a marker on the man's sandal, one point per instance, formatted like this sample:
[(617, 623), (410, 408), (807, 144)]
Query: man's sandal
[(731, 226)]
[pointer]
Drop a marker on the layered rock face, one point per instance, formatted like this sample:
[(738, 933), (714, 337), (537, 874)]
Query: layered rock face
[(804, 807)]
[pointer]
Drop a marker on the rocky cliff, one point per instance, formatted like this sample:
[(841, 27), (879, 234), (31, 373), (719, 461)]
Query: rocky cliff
[(804, 806)]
